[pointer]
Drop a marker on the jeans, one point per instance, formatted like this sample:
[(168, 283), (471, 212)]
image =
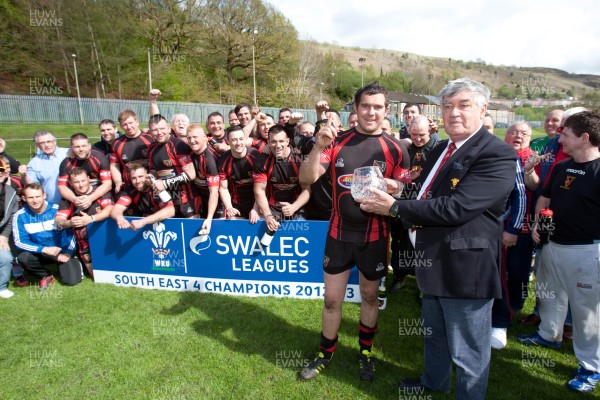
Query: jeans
[(6, 261), (459, 333)]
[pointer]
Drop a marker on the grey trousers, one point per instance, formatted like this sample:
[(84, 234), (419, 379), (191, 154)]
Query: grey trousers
[(570, 275), (459, 333)]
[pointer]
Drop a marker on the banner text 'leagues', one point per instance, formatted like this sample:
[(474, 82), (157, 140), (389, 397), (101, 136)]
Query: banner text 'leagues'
[(171, 255)]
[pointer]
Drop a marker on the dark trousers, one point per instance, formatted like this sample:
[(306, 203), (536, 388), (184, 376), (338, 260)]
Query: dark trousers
[(403, 252), (516, 263), (501, 313), (35, 264)]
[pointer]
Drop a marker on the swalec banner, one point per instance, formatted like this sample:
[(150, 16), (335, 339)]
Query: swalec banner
[(171, 255)]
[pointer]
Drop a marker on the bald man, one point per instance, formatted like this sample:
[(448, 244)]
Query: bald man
[(402, 248), (550, 124)]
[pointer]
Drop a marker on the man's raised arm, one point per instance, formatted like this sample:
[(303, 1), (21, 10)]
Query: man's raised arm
[(311, 169)]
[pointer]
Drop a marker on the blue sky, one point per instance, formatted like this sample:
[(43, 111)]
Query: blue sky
[(534, 33)]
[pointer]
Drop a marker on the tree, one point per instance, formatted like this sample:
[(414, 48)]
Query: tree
[(222, 44)]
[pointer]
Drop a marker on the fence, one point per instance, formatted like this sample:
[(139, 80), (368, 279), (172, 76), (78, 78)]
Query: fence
[(16, 109)]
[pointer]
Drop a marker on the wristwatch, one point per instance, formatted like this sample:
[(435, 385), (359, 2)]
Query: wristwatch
[(394, 209)]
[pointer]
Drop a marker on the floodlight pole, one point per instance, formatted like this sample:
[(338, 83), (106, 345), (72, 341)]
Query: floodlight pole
[(77, 86)]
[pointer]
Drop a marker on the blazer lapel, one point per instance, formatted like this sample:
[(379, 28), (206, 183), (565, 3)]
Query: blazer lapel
[(461, 157)]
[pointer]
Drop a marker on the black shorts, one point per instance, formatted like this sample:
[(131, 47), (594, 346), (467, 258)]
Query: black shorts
[(371, 258)]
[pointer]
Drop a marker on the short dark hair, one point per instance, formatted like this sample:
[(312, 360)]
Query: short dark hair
[(77, 171), (215, 114), (370, 90), (155, 119), (232, 128), (284, 109), (275, 129), (408, 105), (78, 136), (238, 108), (106, 122), (585, 122)]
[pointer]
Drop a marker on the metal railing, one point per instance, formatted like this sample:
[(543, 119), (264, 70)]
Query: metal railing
[(16, 109)]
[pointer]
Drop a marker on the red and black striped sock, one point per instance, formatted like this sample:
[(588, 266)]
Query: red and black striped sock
[(327, 346), (365, 336)]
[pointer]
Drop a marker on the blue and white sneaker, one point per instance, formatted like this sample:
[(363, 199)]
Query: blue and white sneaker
[(584, 380), (537, 340)]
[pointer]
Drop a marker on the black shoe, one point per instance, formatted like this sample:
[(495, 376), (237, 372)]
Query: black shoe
[(397, 285), (366, 362), (531, 320), (412, 384), (313, 369)]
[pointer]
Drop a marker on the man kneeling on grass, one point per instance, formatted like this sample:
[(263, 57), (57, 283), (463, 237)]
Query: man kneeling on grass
[(69, 215), (140, 201), (36, 237)]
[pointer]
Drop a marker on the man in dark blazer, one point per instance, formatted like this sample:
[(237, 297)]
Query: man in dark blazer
[(457, 228)]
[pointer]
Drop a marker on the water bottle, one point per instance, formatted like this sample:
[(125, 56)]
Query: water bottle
[(545, 226), (164, 196), (382, 295)]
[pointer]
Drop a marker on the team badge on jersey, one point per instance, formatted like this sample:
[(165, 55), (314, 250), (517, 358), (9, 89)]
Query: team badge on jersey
[(168, 163), (568, 182), (380, 164), (339, 163)]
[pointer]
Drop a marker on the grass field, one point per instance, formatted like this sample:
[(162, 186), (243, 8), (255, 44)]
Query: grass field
[(97, 341)]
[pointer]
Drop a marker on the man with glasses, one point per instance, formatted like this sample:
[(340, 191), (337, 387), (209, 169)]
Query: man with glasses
[(517, 245), (44, 167)]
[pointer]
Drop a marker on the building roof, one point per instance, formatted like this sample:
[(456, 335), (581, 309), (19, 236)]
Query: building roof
[(498, 107), (434, 99)]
